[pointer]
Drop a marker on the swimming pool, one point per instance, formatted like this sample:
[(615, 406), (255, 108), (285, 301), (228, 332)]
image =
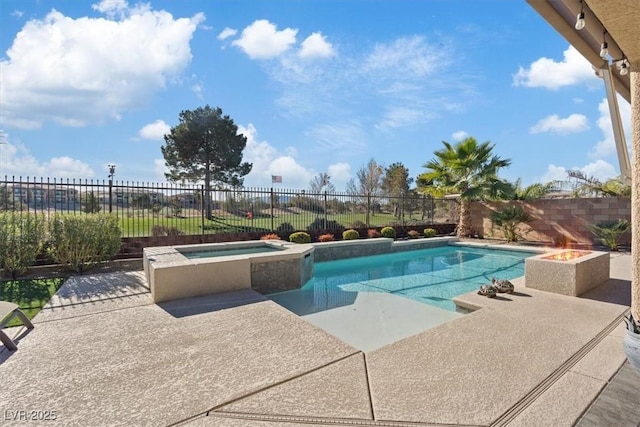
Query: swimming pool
[(431, 276), (375, 300)]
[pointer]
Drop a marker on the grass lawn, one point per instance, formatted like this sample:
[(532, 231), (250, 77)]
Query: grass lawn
[(30, 294), (142, 225)]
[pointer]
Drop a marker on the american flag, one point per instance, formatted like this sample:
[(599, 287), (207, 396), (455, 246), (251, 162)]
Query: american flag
[(276, 179)]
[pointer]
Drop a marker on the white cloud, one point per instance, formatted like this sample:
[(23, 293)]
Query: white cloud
[(226, 33), (411, 55), (262, 40), (268, 161), (17, 160), (155, 131), (17, 13), (339, 137), (399, 117), (66, 167), (599, 169), (197, 90), (293, 174), (460, 135), (340, 173), (547, 73), (87, 70), (554, 173), (401, 83), (554, 124), (316, 46), (607, 146), (160, 168), (111, 7)]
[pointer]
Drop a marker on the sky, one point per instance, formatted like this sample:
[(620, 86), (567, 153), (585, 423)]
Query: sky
[(316, 86)]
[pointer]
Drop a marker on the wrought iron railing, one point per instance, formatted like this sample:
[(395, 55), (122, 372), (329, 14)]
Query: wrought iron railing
[(146, 209)]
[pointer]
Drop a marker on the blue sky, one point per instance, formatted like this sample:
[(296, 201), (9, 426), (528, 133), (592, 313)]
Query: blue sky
[(315, 85)]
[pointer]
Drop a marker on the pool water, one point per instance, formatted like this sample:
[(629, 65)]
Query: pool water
[(226, 252), (430, 276), (370, 302)]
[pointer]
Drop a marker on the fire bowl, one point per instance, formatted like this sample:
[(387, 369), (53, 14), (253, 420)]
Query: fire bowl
[(567, 272)]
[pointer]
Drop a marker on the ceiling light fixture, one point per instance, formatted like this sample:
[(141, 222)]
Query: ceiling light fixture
[(604, 48), (580, 17)]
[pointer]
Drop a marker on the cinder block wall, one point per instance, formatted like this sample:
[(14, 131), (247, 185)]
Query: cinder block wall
[(555, 218)]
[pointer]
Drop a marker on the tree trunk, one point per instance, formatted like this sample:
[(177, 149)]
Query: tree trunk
[(464, 225), (368, 213)]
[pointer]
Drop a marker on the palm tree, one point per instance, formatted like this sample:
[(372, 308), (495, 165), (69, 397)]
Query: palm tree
[(589, 186), (534, 191), (468, 169)]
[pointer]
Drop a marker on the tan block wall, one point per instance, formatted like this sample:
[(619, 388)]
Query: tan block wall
[(554, 218)]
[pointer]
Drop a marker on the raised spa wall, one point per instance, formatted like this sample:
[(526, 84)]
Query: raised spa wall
[(171, 275)]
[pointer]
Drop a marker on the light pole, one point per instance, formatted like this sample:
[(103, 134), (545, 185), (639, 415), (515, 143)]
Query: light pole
[(112, 172)]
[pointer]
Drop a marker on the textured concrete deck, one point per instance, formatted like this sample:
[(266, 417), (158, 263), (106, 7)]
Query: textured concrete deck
[(103, 354)]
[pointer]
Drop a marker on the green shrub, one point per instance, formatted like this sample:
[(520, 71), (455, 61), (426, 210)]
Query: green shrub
[(163, 230), (176, 207), (285, 228), (429, 232), (80, 241), (389, 232), (609, 232), (300, 237), (331, 224), (350, 234), (90, 203), (21, 238), (413, 234), (156, 208), (509, 219)]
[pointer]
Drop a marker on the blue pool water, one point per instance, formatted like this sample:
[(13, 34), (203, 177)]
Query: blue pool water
[(430, 276), (212, 253)]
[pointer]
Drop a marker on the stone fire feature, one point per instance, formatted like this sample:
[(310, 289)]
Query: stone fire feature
[(567, 272)]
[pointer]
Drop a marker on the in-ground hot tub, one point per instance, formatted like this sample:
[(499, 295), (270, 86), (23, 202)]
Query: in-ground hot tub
[(567, 272), (175, 272)]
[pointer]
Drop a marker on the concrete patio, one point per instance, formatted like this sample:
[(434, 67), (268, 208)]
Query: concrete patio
[(102, 353)]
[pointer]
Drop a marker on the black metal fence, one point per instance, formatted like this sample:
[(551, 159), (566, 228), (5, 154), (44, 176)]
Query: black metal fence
[(154, 209)]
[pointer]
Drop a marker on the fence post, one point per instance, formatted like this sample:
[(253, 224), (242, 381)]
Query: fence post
[(112, 172), (402, 206), (271, 203), (433, 209), (325, 210), (368, 218), (110, 195), (202, 213)]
